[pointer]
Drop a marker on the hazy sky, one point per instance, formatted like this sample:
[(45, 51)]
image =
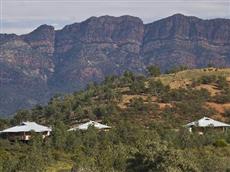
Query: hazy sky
[(22, 16)]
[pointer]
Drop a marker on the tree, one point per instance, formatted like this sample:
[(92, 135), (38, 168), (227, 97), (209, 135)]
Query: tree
[(138, 86), (128, 77), (157, 88), (36, 160), (21, 115), (137, 105), (4, 123), (154, 70), (157, 156), (59, 135)]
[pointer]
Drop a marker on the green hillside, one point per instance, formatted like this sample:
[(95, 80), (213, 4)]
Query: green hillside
[(147, 115)]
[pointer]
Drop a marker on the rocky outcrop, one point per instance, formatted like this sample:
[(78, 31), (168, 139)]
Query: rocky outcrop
[(188, 41), (39, 64), (97, 47), (41, 39), (25, 66)]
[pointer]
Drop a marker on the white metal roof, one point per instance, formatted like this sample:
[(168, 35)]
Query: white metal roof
[(207, 122), (26, 127), (86, 125)]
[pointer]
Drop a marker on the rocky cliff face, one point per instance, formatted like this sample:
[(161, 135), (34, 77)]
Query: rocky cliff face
[(36, 65), (97, 47), (187, 40), (25, 67)]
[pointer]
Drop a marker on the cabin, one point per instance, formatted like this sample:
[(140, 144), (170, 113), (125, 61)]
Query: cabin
[(24, 131), (205, 124), (86, 125)]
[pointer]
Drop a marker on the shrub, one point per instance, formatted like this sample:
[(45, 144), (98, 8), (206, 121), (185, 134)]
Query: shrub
[(220, 143), (157, 88), (185, 95), (138, 86), (154, 71), (137, 105), (207, 79), (177, 69), (222, 82), (227, 112), (223, 97)]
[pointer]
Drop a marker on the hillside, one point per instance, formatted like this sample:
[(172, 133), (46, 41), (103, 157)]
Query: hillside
[(184, 77), (147, 115), (122, 96), (35, 66)]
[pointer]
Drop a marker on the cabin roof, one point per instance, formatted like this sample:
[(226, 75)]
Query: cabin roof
[(207, 122), (86, 125), (26, 127)]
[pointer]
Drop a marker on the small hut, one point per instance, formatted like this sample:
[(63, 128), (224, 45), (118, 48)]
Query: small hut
[(24, 131), (206, 123), (86, 125)]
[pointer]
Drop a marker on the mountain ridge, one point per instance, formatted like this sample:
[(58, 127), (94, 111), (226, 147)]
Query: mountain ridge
[(122, 16), (49, 61)]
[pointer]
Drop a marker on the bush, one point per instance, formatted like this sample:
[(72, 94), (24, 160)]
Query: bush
[(137, 105), (138, 86), (223, 97), (227, 112), (207, 79), (157, 88), (154, 71), (185, 95), (220, 143), (222, 82), (177, 69)]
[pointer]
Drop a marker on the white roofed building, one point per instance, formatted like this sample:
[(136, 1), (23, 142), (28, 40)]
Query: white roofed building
[(24, 131), (86, 125), (206, 122)]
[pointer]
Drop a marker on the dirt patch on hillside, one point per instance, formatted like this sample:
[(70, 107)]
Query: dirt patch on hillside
[(212, 89), (179, 83), (220, 108), (126, 99), (164, 105)]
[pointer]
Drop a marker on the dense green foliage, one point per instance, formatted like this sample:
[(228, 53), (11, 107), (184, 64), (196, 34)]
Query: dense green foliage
[(144, 137), (154, 71)]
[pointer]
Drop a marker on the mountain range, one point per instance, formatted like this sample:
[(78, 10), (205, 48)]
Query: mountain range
[(35, 66)]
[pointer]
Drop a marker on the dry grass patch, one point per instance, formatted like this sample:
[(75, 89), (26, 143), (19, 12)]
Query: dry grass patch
[(212, 89), (60, 166), (127, 98), (164, 105), (184, 78)]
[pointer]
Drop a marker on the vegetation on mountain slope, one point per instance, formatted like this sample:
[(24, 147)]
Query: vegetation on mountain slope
[(147, 115)]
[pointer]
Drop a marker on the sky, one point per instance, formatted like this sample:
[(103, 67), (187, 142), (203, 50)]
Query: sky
[(23, 16)]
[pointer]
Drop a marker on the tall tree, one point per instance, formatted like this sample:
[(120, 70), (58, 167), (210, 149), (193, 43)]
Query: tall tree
[(154, 70)]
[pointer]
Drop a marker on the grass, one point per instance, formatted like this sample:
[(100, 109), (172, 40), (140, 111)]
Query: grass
[(60, 166), (180, 79)]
